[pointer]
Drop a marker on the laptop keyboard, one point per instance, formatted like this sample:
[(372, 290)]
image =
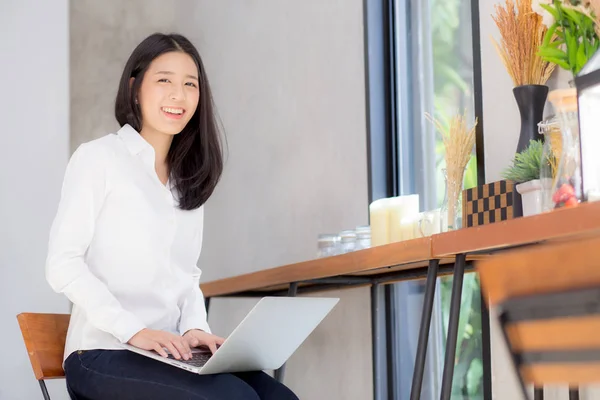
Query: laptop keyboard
[(198, 359)]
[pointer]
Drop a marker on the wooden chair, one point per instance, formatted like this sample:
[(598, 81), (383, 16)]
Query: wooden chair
[(547, 299), (44, 336)]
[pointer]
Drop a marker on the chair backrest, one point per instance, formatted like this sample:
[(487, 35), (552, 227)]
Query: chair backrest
[(44, 336), (547, 298)]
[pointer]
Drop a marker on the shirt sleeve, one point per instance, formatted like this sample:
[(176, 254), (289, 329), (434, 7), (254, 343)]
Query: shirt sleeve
[(193, 310), (82, 196)]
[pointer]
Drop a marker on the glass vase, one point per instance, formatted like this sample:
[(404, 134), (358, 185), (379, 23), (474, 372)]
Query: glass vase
[(451, 209), (566, 186), (551, 154)]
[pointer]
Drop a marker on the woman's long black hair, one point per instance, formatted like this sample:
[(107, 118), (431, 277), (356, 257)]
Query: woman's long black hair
[(195, 159)]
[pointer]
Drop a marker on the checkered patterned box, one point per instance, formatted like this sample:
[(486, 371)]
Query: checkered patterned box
[(487, 204)]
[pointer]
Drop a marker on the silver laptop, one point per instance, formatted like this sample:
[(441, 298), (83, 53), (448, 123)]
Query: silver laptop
[(264, 340)]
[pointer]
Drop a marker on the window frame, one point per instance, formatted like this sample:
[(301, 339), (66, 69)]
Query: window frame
[(386, 178)]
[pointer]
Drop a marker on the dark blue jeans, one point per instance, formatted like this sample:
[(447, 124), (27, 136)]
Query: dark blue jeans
[(124, 375)]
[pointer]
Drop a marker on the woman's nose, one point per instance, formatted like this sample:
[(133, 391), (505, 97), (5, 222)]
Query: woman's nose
[(177, 94)]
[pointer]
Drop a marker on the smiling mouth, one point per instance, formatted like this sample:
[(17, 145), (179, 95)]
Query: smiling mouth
[(175, 111)]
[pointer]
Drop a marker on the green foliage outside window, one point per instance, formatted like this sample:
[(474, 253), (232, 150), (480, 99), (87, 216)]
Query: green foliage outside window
[(453, 92)]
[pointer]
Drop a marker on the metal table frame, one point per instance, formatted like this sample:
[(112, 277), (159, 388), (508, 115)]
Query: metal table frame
[(382, 360)]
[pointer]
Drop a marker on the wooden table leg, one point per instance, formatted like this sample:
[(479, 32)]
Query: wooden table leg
[(457, 283), (417, 382)]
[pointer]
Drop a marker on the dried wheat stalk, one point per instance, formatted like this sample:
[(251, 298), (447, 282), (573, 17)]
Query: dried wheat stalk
[(522, 33), (594, 5), (458, 143), (556, 150)]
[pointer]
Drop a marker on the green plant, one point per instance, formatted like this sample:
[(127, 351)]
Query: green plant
[(526, 165), (468, 369), (572, 39)]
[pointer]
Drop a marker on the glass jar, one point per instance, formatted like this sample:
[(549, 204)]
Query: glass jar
[(589, 120), (347, 241), (363, 237), (566, 188), (327, 245), (451, 209), (550, 129)]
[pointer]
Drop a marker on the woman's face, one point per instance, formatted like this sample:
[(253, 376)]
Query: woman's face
[(169, 93)]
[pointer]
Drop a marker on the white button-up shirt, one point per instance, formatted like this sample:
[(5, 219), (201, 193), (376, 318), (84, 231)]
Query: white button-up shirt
[(121, 250)]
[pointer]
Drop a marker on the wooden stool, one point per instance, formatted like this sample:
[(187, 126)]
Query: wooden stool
[(44, 336), (548, 302)]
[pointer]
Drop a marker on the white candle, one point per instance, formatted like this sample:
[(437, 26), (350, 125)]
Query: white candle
[(409, 227), (378, 211), (400, 208), (386, 217)]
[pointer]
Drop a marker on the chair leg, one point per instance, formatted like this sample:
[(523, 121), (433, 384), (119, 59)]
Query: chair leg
[(574, 393), (538, 393), (44, 389), (207, 304)]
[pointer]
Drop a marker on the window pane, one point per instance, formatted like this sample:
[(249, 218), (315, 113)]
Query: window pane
[(452, 69), (434, 75)]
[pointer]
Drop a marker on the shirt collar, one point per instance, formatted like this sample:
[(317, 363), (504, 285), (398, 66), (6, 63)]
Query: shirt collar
[(136, 144), (133, 140)]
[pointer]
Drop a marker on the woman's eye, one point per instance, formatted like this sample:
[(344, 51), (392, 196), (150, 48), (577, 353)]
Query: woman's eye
[(192, 84), (163, 80)]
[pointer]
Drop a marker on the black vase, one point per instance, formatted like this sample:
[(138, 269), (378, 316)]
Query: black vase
[(531, 100)]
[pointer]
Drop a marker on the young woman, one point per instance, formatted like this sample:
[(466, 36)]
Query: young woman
[(127, 235)]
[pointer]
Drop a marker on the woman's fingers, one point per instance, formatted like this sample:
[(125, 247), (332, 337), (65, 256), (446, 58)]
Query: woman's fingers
[(172, 349), (186, 347), (212, 346), (159, 349), (182, 348), (193, 341), (219, 340)]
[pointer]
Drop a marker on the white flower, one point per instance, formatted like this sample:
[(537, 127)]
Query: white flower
[(547, 18)]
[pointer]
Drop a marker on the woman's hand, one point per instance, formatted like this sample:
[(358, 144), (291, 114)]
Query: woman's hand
[(197, 337), (150, 339)]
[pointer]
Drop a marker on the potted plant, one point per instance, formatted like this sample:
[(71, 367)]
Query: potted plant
[(525, 173), (572, 35), (522, 32)]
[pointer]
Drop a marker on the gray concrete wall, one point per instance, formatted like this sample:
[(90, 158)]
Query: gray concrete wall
[(34, 76), (103, 35), (288, 78)]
